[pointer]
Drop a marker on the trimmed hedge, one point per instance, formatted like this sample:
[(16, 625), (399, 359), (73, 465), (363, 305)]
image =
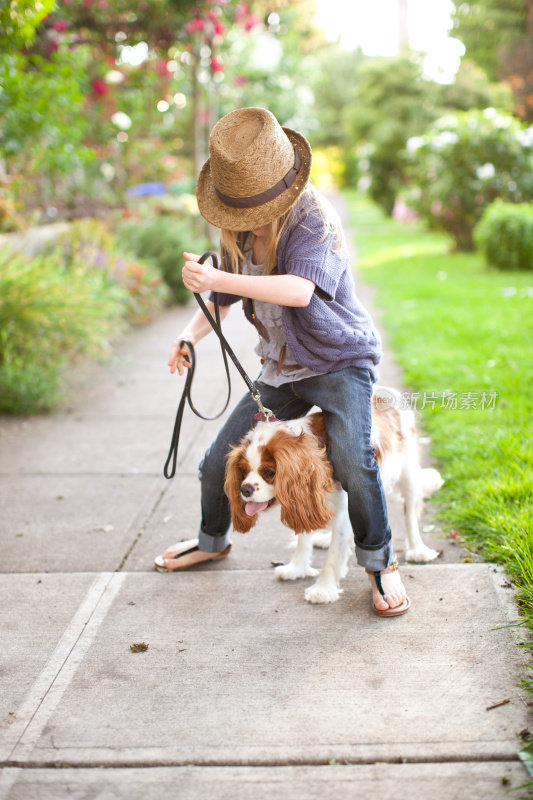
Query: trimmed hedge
[(505, 235)]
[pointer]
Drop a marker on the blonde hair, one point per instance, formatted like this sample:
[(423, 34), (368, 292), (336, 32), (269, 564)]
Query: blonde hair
[(235, 245)]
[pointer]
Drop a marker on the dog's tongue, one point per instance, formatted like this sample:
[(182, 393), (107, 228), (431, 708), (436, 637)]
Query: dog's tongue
[(254, 508)]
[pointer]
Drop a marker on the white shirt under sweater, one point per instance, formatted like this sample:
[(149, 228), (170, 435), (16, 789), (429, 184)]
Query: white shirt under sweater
[(270, 316)]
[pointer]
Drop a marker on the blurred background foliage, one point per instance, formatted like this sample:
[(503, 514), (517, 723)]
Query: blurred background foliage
[(106, 108), (98, 97)]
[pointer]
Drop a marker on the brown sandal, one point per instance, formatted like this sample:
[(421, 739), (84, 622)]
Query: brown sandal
[(397, 610), (160, 566)]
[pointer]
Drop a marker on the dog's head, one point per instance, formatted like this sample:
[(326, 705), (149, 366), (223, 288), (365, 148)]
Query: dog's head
[(273, 464)]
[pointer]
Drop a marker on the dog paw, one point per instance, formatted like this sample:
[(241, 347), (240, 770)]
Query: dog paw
[(322, 594), (322, 539), (422, 555), (291, 572)]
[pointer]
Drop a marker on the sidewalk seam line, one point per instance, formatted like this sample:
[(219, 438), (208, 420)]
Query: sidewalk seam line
[(55, 677)]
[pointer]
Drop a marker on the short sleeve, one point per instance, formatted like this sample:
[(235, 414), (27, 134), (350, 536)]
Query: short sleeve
[(312, 255)]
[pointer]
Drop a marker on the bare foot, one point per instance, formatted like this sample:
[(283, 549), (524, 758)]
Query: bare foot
[(176, 557)]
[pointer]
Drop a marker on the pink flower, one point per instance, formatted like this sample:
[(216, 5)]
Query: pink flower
[(252, 21), (217, 64), (99, 87), (219, 28), (103, 4), (162, 67), (240, 80), (196, 24), (241, 12), (453, 534), (60, 25)]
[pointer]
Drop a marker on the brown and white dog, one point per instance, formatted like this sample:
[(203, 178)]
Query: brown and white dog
[(286, 463)]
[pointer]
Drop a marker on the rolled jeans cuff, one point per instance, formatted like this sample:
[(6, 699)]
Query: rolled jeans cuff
[(374, 560), (213, 544)]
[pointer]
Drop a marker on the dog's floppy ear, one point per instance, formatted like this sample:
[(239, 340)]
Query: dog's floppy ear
[(303, 479), (236, 469)]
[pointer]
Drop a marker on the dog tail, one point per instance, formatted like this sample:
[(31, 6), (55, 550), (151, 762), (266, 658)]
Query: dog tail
[(430, 481)]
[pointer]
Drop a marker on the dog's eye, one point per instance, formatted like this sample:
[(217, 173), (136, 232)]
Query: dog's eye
[(268, 473)]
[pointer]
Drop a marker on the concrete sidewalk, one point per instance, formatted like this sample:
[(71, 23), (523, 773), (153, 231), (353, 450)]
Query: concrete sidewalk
[(245, 691)]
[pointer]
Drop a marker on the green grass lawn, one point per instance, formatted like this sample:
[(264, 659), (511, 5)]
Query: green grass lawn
[(463, 334)]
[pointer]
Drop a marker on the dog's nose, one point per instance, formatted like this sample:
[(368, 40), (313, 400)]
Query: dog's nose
[(247, 490)]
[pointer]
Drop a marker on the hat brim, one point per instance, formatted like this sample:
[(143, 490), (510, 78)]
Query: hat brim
[(246, 219)]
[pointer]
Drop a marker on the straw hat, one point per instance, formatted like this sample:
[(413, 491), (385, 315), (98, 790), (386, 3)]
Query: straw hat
[(255, 172)]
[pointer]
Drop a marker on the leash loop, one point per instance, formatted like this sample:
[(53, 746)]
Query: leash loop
[(266, 414)]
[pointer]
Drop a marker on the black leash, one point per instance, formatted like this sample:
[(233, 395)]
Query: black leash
[(169, 469)]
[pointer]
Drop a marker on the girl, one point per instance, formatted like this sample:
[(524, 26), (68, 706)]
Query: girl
[(283, 254)]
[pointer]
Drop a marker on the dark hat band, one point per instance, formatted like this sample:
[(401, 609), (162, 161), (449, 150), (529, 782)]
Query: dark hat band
[(270, 194)]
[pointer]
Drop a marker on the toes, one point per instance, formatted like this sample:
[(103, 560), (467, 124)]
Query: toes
[(380, 602), (179, 547), (394, 600)]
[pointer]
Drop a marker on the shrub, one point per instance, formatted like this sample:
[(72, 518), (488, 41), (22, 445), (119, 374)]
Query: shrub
[(505, 235), (463, 163), (161, 241), (49, 315), (89, 243)]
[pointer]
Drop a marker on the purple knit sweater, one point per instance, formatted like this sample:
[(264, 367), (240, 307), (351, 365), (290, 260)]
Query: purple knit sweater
[(334, 331)]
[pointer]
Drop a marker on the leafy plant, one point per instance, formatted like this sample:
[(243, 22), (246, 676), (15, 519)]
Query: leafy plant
[(463, 163), (505, 235), (49, 315), (88, 242), (161, 240)]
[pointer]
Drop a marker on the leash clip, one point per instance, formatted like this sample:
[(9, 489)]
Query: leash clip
[(265, 414)]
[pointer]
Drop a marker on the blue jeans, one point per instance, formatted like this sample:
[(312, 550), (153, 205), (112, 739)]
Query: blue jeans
[(345, 399)]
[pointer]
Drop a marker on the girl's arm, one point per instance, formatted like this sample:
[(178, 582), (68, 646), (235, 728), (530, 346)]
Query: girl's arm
[(284, 290), (198, 327)]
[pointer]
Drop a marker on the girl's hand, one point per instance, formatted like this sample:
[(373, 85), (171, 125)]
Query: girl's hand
[(198, 277), (179, 355)]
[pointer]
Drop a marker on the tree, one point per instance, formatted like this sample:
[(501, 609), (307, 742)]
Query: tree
[(334, 81), (392, 102), (18, 20), (499, 38), (473, 89), (98, 118)]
